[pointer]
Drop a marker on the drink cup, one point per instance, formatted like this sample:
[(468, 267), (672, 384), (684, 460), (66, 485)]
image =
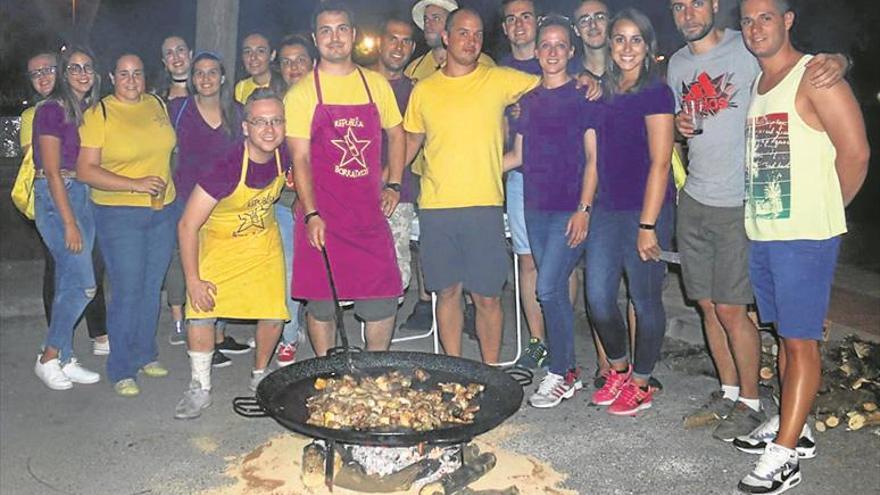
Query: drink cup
[(693, 109), (157, 201)]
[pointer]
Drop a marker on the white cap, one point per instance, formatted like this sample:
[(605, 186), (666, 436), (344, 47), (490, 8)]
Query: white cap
[(418, 10)]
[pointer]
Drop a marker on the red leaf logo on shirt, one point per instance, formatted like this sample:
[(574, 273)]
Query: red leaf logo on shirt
[(712, 94)]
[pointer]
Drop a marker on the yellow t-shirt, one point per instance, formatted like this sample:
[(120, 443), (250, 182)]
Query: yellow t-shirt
[(245, 87), (136, 140), (462, 119), (302, 98), (422, 67)]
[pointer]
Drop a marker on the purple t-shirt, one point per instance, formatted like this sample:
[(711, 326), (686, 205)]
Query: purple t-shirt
[(530, 66), (221, 177), (402, 87), (51, 120), (552, 123), (198, 144), (624, 158)]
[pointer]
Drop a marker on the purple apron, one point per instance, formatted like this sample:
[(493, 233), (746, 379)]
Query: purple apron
[(346, 150)]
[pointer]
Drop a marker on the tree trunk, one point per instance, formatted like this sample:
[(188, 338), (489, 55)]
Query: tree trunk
[(217, 30)]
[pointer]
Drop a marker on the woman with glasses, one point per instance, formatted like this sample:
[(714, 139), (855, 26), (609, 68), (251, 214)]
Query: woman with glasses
[(296, 58), (231, 248), (208, 125), (63, 214), (126, 142), (631, 217), (555, 142)]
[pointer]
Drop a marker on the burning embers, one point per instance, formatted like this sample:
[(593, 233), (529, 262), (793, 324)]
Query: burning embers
[(390, 401), (433, 470)]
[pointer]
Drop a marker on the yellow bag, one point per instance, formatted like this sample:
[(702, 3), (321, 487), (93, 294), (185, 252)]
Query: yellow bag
[(679, 174), (23, 188)]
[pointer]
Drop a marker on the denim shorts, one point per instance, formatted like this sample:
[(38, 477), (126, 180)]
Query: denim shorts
[(792, 284), (516, 217)]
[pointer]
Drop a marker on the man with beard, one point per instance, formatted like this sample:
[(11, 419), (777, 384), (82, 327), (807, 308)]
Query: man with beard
[(809, 144), (713, 74), (396, 47), (335, 119), (457, 113)]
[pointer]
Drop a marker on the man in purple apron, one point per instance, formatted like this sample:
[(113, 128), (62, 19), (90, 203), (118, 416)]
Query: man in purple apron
[(335, 119)]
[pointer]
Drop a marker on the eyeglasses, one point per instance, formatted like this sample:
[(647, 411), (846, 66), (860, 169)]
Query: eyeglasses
[(260, 51), (262, 123), (42, 71), (77, 69), (553, 19), (293, 62), (596, 18)]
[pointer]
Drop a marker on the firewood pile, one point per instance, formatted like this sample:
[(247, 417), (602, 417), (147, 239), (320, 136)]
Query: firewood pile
[(850, 391)]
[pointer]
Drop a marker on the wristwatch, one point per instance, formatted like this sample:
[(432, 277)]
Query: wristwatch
[(646, 226), (584, 208), (308, 216), (394, 186)]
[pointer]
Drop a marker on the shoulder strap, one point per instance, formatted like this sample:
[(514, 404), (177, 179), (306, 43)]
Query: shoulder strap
[(161, 102), (180, 112), (103, 109)]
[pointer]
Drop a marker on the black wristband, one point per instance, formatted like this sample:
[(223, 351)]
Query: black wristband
[(394, 186), (646, 226), (308, 216)]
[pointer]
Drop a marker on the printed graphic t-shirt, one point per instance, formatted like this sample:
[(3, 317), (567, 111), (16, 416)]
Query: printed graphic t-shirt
[(461, 118), (136, 140), (720, 80)]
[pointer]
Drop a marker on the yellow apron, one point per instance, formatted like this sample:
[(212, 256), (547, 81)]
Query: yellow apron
[(240, 253)]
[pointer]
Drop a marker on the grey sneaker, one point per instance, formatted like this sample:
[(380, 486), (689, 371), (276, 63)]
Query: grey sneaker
[(715, 409), (193, 402), (256, 377), (742, 420)]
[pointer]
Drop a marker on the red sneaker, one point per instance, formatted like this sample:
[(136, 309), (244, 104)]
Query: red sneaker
[(614, 382), (631, 400), (286, 354)]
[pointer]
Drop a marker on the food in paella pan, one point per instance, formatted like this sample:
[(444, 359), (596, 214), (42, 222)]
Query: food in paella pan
[(390, 401)]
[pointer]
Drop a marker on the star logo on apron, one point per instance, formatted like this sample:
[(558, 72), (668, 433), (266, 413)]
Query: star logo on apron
[(352, 151), (251, 220)]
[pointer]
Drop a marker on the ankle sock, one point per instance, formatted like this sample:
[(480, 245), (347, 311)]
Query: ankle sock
[(200, 366), (730, 392), (754, 404)]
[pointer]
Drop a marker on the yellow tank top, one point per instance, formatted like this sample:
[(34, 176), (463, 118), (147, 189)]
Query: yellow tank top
[(792, 188)]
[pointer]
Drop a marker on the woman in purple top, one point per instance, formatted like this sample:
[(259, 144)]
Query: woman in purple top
[(632, 211), (208, 125), (64, 215), (556, 144)]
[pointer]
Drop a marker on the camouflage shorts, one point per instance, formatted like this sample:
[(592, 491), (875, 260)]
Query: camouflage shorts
[(401, 228)]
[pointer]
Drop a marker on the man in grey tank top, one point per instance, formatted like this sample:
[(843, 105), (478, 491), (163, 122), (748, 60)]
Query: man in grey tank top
[(713, 75)]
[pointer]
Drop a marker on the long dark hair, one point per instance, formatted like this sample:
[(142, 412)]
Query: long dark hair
[(163, 87), (63, 94), (612, 72), (228, 115)]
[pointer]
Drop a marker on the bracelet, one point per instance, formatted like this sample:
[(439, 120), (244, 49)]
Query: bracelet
[(584, 208), (646, 226), (309, 216), (394, 186)]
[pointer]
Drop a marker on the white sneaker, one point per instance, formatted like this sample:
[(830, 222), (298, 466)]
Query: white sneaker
[(101, 348), (776, 471), (194, 401), (555, 388), (256, 377), (51, 374), (77, 374), (756, 441)]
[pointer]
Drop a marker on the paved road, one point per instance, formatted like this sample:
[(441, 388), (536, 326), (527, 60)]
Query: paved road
[(89, 441)]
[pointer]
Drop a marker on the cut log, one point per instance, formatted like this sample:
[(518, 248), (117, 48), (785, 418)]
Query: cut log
[(766, 373), (832, 421), (869, 406), (820, 426), (859, 420)]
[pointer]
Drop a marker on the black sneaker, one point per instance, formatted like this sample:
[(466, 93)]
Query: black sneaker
[(421, 318), (470, 321), (219, 360), (230, 346)]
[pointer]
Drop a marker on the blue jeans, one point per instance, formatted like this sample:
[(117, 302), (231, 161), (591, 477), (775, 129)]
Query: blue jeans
[(284, 217), (611, 253), (74, 272), (137, 244), (555, 261)]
